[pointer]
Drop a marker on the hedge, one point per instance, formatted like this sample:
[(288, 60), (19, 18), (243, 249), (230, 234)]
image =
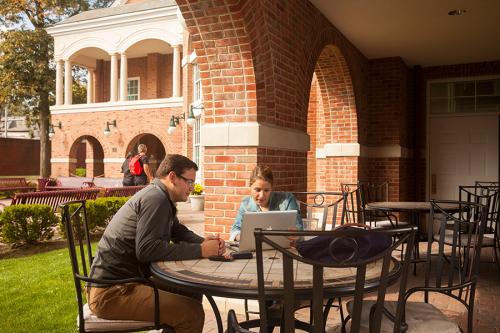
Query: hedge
[(99, 212), (32, 223), (27, 223)]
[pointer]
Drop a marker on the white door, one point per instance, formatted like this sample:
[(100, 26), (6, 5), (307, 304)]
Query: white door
[(462, 149)]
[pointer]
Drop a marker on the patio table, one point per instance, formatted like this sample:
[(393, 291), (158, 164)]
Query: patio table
[(238, 278)]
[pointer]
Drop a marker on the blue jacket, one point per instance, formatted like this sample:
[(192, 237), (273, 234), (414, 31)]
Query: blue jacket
[(277, 201)]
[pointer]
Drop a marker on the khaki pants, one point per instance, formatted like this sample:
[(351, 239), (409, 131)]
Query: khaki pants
[(134, 301)]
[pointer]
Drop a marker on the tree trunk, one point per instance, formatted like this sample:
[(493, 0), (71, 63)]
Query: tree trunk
[(44, 135)]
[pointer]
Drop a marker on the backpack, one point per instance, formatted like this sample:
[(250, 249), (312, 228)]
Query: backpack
[(135, 165)]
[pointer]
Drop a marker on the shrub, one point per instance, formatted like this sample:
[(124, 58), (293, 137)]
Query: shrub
[(99, 212), (27, 223), (80, 172)]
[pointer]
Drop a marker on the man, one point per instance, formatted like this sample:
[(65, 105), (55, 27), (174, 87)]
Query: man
[(144, 230), (145, 176)]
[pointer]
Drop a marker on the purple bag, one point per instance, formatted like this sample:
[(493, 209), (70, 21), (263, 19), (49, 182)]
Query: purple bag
[(335, 249)]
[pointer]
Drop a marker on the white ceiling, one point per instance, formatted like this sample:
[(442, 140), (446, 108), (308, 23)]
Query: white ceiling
[(419, 31)]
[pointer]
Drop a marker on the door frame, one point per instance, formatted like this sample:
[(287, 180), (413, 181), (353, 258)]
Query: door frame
[(450, 115)]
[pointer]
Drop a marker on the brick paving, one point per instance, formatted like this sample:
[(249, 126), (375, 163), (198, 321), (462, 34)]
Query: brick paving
[(487, 304)]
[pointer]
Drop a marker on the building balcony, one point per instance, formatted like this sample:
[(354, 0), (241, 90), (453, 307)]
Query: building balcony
[(118, 105)]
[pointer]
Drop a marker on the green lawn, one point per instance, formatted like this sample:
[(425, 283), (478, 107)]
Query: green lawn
[(37, 293)]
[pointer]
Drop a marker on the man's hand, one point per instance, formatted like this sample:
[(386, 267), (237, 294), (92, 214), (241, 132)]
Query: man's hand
[(222, 244), (210, 247)]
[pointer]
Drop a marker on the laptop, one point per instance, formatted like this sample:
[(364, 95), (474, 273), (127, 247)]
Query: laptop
[(271, 220)]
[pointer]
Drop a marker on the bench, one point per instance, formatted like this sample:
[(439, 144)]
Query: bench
[(15, 184), (124, 191), (54, 198), (69, 183)]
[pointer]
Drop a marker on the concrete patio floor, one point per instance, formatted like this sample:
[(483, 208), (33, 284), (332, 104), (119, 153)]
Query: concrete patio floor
[(487, 304)]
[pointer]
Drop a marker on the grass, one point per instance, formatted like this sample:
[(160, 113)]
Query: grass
[(37, 293)]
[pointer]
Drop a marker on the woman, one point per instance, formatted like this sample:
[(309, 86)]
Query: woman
[(128, 178), (263, 199)]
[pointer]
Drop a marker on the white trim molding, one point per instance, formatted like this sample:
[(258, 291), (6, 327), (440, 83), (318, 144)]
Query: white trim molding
[(355, 149), (113, 160), (62, 160), (253, 134), (118, 106)]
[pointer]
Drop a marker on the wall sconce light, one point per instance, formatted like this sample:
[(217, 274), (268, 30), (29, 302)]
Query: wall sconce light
[(196, 114), (107, 131), (174, 121), (51, 129)]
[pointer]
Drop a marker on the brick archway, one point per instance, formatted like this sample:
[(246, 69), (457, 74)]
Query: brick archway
[(256, 60), (156, 150), (94, 156), (332, 124)]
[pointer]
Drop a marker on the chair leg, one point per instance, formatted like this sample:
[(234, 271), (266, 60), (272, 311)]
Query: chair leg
[(247, 316), (496, 249)]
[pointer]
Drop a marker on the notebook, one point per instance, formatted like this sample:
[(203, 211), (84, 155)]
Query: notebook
[(272, 220)]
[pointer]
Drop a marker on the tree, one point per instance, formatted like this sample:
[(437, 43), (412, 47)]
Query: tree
[(26, 71)]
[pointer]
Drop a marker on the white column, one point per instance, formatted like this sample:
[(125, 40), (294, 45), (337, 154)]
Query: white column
[(90, 86), (123, 77), (59, 82), (68, 83), (176, 72), (113, 78)]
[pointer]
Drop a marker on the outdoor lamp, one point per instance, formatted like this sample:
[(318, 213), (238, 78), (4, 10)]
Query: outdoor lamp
[(191, 119), (107, 131), (174, 121), (51, 129)]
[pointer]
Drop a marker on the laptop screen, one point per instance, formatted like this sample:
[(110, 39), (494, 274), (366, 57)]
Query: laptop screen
[(271, 220)]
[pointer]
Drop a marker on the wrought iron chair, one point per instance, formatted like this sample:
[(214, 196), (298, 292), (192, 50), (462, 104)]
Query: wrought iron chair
[(489, 197), (352, 259), (327, 207), (492, 230), (330, 207), (358, 195), (74, 216), (448, 272)]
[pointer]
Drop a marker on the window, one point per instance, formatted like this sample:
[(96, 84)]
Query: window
[(197, 93), (196, 141), (197, 101), (133, 89), (465, 96)]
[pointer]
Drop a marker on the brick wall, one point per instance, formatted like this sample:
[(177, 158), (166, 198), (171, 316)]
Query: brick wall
[(20, 157), (154, 73), (132, 126), (391, 122), (256, 66)]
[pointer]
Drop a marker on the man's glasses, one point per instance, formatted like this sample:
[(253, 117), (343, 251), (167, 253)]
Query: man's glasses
[(188, 181)]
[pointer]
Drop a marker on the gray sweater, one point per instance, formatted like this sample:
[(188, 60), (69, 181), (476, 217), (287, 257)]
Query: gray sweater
[(144, 230)]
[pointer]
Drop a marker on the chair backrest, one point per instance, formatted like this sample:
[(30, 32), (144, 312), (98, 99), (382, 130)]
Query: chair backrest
[(378, 281), (74, 217), (355, 204), (327, 207), (375, 192), (487, 195), (453, 269)]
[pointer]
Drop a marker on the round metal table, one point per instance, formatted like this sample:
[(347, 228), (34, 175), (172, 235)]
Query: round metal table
[(238, 278)]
